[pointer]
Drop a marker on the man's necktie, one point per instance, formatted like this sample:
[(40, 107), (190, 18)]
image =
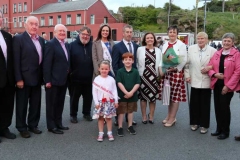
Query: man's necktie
[(130, 47)]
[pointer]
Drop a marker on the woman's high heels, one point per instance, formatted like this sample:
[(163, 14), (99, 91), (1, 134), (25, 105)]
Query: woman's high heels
[(170, 124), (150, 121), (164, 121)]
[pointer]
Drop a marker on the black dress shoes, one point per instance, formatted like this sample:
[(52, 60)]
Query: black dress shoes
[(217, 133), (237, 138), (7, 134), (55, 131), (62, 127), (25, 134), (73, 119), (35, 130), (133, 122), (223, 136), (88, 117)]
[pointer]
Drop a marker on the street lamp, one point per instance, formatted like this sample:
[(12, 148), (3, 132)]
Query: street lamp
[(205, 13)]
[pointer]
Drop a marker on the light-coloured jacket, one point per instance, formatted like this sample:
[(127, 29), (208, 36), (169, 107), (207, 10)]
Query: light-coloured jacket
[(194, 65), (141, 59), (97, 55), (231, 69), (180, 49)]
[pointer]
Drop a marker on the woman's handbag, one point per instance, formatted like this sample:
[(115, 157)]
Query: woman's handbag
[(166, 92)]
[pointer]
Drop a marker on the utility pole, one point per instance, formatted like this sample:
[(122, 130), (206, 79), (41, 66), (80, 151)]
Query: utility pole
[(169, 11), (196, 27), (205, 16), (223, 5)]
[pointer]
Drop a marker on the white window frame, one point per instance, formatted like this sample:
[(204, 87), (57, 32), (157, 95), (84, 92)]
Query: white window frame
[(42, 21), (92, 19), (24, 6), (68, 19), (59, 19), (19, 7), (15, 22), (14, 8), (78, 18), (50, 20), (20, 21)]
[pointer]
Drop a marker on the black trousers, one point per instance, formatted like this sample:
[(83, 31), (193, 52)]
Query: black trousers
[(222, 109), (78, 90), (55, 98), (32, 96), (7, 94), (200, 102)]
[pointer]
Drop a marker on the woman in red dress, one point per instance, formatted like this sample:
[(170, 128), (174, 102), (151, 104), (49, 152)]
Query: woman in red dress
[(174, 75)]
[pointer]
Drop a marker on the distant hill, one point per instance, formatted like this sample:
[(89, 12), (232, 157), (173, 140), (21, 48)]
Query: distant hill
[(156, 19)]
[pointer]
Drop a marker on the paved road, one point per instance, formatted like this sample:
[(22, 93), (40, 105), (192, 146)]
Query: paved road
[(152, 142)]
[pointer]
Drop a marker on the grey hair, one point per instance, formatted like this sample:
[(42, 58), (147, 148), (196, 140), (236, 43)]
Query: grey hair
[(85, 28), (127, 26), (202, 34), (58, 25), (229, 35), (31, 17)]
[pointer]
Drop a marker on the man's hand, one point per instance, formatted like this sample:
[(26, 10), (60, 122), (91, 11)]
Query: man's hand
[(48, 85), (20, 84)]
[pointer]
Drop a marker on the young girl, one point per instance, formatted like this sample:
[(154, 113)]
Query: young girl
[(105, 98)]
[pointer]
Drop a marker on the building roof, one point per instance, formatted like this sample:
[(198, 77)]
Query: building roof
[(65, 6)]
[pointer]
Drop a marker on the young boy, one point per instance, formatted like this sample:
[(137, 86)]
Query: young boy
[(128, 81)]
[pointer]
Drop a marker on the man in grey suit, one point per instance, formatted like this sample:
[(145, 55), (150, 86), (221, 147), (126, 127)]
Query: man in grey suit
[(27, 52)]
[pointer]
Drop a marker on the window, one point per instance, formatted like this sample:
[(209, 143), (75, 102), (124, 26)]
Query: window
[(19, 7), (25, 7), (3, 9), (59, 19), (14, 8), (105, 20), (24, 19), (92, 19), (68, 19), (14, 22), (42, 23), (78, 19), (6, 22), (6, 8), (50, 21), (20, 21)]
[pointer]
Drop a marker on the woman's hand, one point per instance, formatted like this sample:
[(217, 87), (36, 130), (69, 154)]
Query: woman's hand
[(219, 75), (116, 105), (206, 69), (225, 90), (171, 69), (97, 106), (188, 80)]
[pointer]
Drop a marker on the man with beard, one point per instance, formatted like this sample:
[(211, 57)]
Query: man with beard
[(81, 75)]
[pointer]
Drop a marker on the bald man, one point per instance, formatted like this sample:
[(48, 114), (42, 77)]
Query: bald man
[(56, 66), (27, 52)]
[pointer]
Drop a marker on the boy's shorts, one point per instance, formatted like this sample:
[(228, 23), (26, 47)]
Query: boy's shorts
[(126, 107)]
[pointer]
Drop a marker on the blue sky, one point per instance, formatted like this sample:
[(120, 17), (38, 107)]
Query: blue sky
[(115, 4)]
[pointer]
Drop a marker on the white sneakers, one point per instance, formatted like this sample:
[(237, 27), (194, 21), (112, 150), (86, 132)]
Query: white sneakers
[(194, 127), (110, 138), (203, 130)]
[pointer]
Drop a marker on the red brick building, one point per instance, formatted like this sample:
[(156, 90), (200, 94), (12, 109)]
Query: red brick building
[(73, 14)]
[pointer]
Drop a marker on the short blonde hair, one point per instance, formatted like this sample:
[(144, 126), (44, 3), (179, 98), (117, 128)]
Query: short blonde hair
[(202, 34)]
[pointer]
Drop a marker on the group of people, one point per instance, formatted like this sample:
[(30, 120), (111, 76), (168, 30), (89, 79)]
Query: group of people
[(114, 77)]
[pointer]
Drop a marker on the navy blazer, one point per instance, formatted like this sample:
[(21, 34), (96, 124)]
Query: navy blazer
[(6, 69), (26, 60), (56, 66), (117, 51)]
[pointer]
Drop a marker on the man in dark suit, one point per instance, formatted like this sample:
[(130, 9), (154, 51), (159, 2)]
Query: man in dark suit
[(126, 45), (7, 83), (27, 51), (56, 66)]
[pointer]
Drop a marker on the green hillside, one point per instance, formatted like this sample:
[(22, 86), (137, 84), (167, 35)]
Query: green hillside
[(156, 19)]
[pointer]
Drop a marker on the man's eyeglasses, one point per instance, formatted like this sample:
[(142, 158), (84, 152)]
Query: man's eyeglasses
[(84, 34)]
